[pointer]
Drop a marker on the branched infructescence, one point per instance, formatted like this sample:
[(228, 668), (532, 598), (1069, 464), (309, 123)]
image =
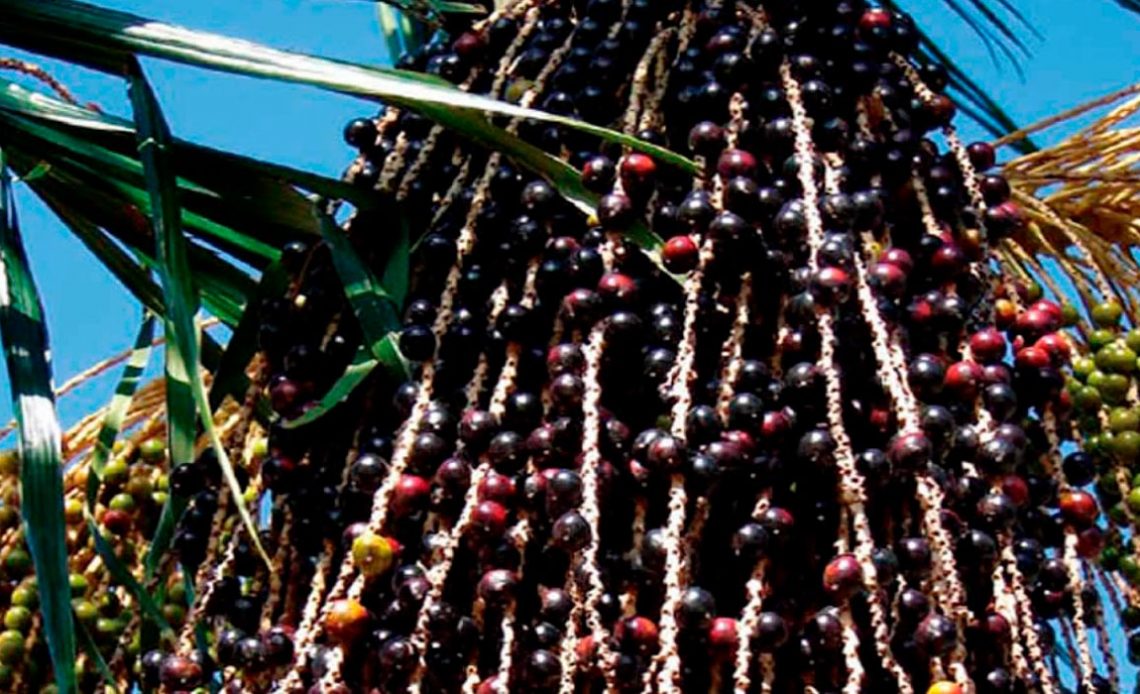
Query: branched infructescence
[(807, 416)]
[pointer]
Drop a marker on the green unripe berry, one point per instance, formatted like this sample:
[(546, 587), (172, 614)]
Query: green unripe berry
[(1114, 388), (1116, 358), (152, 450), (116, 471), (108, 626), (85, 610), (1033, 291), (1130, 568), (1070, 316), (159, 498), (140, 487), (1087, 399), (174, 614), (1123, 419), (1110, 558), (18, 562), (122, 502), (25, 595), (18, 618), (1118, 514), (1126, 446), (1107, 313), (11, 647), (1082, 367), (78, 584), (1100, 337), (73, 511), (260, 447), (1133, 500)]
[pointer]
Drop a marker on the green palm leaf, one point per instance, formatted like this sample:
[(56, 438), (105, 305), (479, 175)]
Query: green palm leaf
[(108, 40), (41, 477), (185, 388)]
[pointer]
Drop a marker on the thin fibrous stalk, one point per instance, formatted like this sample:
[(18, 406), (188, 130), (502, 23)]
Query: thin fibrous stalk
[(1072, 562), (590, 509), (1104, 641)]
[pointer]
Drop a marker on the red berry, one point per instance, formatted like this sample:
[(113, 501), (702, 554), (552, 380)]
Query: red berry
[(831, 285), (179, 673), (1015, 487), (948, 261), (680, 254), (1090, 542), (1057, 346), (411, 495), (736, 162), (742, 439), (875, 18), (888, 279), (489, 519), (775, 425), (637, 172), (1032, 357), (962, 379), (722, 635), (898, 257), (117, 522), (638, 632), (987, 345), (470, 44), (843, 576), (498, 488), (941, 109), (617, 287), (1079, 508), (1035, 323), (1050, 307)]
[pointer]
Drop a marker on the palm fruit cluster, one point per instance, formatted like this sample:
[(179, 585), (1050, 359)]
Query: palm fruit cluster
[(778, 423)]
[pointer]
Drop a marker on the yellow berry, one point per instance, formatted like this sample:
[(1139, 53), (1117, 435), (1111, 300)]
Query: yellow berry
[(372, 554)]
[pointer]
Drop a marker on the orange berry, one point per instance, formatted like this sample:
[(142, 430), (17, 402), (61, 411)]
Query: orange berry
[(346, 621)]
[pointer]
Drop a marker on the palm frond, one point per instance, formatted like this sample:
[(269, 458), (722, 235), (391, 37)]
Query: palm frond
[(1081, 199), (107, 40)]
